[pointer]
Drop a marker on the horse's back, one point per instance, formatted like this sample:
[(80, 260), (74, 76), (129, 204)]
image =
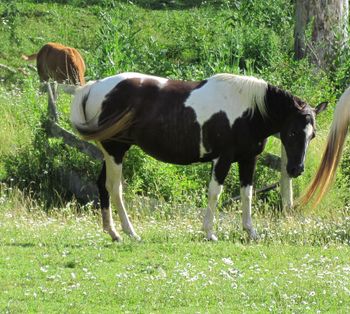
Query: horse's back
[(174, 121)]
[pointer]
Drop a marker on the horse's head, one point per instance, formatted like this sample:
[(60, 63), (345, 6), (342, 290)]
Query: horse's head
[(296, 134)]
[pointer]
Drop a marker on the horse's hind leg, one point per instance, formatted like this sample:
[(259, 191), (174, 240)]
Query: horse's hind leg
[(220, 169), (114, 153), (106, 211)]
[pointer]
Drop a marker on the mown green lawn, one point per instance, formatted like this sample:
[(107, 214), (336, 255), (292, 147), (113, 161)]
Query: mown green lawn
[(65, 264)]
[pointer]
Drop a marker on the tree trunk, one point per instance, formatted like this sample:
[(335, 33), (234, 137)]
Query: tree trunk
[(320, 29)]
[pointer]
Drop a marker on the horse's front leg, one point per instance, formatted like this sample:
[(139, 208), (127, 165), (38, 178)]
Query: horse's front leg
[(286, 186), (246, 172), (220, 168)]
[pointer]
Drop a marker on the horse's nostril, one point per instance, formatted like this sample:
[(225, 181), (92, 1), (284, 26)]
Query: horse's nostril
[(296, 171)]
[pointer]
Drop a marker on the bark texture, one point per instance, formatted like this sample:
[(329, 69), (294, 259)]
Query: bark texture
[(320, 29)]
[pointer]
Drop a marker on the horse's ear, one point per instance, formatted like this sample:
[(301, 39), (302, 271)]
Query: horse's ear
[(321, 107), (68, 89)]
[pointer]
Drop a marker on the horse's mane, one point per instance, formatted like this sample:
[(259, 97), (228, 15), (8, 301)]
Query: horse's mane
[(253, 88)]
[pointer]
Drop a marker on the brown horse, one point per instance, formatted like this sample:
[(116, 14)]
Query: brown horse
[(59, 63), (333, 152)]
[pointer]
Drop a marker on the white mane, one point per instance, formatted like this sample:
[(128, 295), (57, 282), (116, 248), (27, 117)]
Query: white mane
[(253, 89)]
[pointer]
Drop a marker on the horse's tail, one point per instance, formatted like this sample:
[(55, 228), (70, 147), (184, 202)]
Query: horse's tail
[(333, 152), (29, 58), (98, 129)]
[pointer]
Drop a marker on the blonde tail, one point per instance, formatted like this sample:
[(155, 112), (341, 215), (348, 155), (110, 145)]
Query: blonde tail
[(332, 154), (108, 129), (94, 129)]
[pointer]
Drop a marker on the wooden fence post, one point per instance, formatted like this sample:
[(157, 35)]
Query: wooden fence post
[(52, 98)]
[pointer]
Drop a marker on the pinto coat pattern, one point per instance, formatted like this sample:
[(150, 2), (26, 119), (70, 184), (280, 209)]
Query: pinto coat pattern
[(223, 119)]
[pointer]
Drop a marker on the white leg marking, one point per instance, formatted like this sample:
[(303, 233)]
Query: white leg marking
[(115, 188), (214, 192), (286, 188), (108, 224), (246, 196)]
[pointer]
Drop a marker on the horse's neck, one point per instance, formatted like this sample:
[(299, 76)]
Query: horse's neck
[(280, 105)]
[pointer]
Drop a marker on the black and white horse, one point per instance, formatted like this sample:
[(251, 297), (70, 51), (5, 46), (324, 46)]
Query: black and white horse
[(223, 119)]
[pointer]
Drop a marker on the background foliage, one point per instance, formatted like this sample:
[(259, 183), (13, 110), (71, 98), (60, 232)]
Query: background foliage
[(177, 39)]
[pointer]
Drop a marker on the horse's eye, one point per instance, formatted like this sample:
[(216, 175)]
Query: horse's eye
[(291, 134)]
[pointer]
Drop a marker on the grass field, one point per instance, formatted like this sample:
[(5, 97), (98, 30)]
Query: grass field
[(54, 257), (63, 263)]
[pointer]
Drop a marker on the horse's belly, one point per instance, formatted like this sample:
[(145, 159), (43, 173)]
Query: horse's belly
[(174, 150), (177, 137)]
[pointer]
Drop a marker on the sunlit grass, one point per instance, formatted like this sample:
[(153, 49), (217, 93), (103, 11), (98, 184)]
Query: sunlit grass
[(64, 262)]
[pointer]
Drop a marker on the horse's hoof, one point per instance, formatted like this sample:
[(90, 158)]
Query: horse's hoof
[(117, 239), (253, 235), (135, 237), (212, 237), (114, 235)]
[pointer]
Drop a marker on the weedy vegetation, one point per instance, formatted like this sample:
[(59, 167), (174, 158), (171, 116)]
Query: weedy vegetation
[(53, 254)]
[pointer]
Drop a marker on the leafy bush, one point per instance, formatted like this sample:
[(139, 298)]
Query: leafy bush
[(38, 170)]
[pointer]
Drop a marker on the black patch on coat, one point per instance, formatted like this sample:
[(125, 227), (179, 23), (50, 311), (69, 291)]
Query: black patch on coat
[(163, 127), (83, 103), (216, 135)]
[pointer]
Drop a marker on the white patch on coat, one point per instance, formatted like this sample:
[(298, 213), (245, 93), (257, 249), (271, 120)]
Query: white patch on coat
[(202, 150), (231, 94), (308, 130), (97, 91)]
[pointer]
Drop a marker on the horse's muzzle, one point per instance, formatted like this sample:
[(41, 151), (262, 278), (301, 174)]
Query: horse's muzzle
[(295, 171)]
